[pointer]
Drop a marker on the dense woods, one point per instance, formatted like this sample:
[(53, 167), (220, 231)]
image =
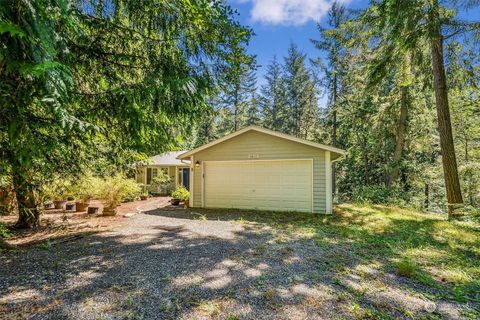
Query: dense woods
[(96, 85), (402, 89)]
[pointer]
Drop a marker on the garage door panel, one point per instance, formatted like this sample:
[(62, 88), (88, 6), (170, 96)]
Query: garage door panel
[(265, 185)]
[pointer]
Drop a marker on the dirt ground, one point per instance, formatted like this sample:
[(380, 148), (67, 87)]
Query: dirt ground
[(60, 225)]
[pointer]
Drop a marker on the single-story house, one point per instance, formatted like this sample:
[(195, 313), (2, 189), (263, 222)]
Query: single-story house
[(256, 168), (178, 170)]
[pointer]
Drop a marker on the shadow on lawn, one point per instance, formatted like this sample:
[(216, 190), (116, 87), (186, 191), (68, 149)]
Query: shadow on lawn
[(168, 271), (351, 237)]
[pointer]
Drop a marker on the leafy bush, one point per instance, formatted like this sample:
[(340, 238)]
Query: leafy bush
[(4, 231), (163, 182), (87, 188), (381, 195), (181, 193), (58, 188), (114, 190)]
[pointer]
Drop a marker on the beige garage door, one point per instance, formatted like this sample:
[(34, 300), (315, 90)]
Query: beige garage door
[(264, 185)]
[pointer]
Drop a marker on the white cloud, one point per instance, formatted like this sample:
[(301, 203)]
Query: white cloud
[(288, 12)]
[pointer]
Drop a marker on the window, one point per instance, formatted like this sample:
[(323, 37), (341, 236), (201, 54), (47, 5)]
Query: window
[(151, 174)]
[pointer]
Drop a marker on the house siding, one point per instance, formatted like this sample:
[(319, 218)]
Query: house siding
[(254, 145)]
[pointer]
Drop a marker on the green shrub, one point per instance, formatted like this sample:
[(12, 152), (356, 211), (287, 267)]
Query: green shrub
[(406, 268), (163, 182), (58, 188), (181, 193), (381, 195), (114, 190), (87, 188), (4, 231)]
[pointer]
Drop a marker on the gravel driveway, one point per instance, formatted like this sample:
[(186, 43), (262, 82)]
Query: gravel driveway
[(158, 266)]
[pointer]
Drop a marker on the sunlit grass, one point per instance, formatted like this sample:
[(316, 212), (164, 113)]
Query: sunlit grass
[(423, 247)]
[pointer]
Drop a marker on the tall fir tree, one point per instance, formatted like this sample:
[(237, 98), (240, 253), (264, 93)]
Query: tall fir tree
[(273, 99), (301, 95), (331, 42)]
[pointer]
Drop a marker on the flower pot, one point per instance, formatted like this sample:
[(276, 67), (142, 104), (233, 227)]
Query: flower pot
[(70, 207), (143, 197), (59, 204), (109, 211), (48, 205), (81, 206), (186, 203), (92, 210), (175, 202)]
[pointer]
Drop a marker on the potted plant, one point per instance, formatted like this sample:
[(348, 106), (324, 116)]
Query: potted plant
[(85, 191), (144, 195), (179, 195), (114, 190)]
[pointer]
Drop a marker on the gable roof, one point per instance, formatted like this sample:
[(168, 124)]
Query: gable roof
[(167, 159), (266, 131)]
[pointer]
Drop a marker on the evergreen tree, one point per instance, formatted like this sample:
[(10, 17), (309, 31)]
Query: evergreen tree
[(273, 100), (432, 22), (301, 95), (106, 78), (331, 42)]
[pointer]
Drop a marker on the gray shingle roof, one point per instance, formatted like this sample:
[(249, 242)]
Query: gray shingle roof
[(167, 158)]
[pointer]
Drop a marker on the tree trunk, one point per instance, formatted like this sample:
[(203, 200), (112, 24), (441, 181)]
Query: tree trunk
[(449, 161), (334, 134), (28, 212), (401, 134)]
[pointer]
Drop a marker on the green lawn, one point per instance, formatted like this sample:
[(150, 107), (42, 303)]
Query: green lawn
[(427, 248)]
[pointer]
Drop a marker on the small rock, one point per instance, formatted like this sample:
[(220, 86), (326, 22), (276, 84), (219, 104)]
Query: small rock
[(430, 306), (129, 214)]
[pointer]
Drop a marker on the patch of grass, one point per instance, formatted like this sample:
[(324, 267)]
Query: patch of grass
[(211, 308), (5, 231), (46, 245), (425, 247), (233, 317), (201, 216), (406, 268)]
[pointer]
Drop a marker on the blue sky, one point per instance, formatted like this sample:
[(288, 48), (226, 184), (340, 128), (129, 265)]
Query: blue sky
[(278, 23)]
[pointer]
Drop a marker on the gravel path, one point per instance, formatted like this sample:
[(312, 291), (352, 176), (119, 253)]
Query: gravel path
[(153, 266), (176, 264)]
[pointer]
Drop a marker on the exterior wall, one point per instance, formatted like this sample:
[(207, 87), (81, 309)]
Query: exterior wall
[(255, 145)]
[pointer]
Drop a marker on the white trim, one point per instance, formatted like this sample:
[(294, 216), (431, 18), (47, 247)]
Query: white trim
[(313, 174), (328, 183), (258, 160), (176, 177), (266, 131), (203, 184), (192, 181)]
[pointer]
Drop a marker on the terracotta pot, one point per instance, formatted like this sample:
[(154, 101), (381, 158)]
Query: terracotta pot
[(186, 203), (92, 210), (60, 204), (49, 205), (82, 206), (175, 202), (143, 197), (109, 211)]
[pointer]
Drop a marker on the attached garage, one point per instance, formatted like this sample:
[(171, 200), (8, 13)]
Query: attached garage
[(260, 169)]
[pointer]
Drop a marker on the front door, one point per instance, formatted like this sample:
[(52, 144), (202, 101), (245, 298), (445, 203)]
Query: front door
[(186, 178)]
